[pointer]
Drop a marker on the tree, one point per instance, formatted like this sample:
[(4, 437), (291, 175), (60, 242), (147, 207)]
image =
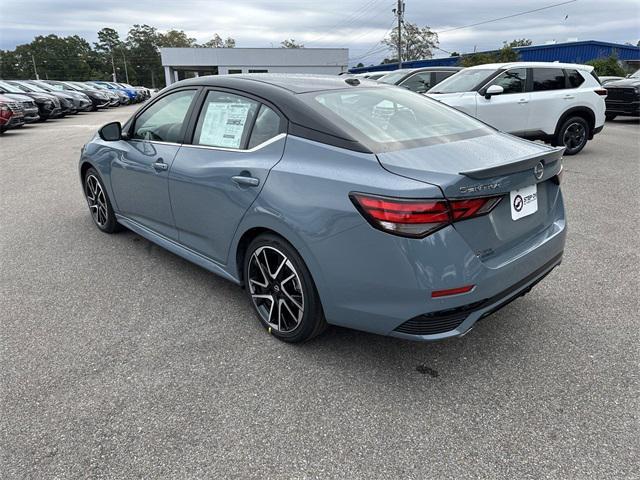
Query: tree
[(360, 65), (522, 42), (143, 42), (417, 42), (218, 42), (290, 43), (505, 54), (608, 66), (455, 54), (176, 39)]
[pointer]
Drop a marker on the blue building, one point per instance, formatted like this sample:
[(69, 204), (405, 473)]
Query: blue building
[(569, 52)]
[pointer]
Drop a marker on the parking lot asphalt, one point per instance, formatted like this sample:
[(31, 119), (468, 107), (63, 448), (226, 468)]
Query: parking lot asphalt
[(121, 360)]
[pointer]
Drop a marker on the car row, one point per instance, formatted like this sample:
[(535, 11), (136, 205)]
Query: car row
[(623, 96), (28, 101)]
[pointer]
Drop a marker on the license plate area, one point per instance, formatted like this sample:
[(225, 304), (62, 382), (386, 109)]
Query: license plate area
[(524, 202)]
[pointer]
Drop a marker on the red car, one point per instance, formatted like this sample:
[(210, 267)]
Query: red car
[(11, 114)]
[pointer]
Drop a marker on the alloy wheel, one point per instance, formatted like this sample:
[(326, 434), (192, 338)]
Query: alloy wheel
[(97, 200), (275, 289), (574, 136)]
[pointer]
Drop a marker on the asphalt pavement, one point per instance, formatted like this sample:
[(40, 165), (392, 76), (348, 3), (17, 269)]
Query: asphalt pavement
[(120, 360)]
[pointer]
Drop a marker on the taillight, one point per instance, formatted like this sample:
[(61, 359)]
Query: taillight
[(418, 218), (601, 91)]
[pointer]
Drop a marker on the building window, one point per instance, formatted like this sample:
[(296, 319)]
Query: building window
[(258, 71), (233, 71)]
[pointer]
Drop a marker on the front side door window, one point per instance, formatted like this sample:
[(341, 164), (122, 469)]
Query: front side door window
[(164, 120), (420, 82)]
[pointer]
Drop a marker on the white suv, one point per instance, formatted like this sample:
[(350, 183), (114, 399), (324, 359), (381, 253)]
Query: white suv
[(560, 103)]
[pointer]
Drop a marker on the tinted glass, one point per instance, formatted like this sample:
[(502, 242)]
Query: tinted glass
[(266, 127), (513, 81), (163, 120), (7, 87), (440, 76), (548, 79), (225, 120), (575, 79), (464, 81), (394, 116), (420, 82)]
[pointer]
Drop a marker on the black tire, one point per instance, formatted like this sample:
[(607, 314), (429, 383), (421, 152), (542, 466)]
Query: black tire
[(610, 117), (573, 134), (99, 204), (302, 287)]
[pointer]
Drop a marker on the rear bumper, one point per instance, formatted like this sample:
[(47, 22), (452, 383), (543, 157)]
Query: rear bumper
[(376, 282)]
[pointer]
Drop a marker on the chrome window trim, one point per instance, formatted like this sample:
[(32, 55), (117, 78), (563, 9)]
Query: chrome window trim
[(157, 142), (239, 150)]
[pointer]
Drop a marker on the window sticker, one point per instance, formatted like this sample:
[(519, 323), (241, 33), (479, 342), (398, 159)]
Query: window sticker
[(224, 123)]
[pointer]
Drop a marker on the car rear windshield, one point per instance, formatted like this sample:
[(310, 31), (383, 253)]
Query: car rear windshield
[(394, 77), (389, 118), (463, 81)]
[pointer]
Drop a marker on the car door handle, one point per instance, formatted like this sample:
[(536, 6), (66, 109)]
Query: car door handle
[(523, 100), (249, 181), (569, 97), (160, 165)]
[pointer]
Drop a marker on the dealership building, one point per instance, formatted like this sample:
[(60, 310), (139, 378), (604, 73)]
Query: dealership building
[(181, 63), (567, 52)]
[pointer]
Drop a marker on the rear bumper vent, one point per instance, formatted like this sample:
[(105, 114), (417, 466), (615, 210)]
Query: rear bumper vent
[(437, 322)]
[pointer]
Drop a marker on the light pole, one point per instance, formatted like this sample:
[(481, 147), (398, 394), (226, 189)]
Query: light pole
[(34, 67), (124, 59)]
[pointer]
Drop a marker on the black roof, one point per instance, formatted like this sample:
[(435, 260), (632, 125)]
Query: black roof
[(284, 92)]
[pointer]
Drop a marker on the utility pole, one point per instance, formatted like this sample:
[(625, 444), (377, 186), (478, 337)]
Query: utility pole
[(399, 11), (34, 67)]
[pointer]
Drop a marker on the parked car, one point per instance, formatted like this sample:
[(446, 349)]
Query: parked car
[(418, 79), (623, 97), (414, 225), (132, 94), (48, 105), (607, 79), (116, 97), (562, 104), (28, 106), (67, 105), (11, 114), (98, 98), (81, 102)]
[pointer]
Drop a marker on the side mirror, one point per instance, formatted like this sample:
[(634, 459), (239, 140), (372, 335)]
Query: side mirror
[(493, 90), (111, 132)]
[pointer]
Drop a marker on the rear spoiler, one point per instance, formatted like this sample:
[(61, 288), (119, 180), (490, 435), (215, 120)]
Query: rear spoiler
[(517, 166)]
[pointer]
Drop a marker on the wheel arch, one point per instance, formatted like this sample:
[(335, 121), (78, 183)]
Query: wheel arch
[(582, 111)]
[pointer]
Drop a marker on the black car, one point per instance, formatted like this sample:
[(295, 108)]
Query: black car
[(81, 102), (418, 79), (98, 98), (48, 106), (67, 106), (623, 97)]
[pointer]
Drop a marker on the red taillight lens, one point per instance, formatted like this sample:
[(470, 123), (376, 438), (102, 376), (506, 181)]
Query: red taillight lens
[(601, 91), (418, 217), (451, 291)]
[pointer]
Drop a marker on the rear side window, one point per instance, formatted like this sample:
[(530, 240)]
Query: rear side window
[(163, 120), (420, 82), (225, 120), (512, 81), (574, 78), (548, 79), (266, 127)]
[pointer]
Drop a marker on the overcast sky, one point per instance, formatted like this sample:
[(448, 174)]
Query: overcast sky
[(356, 24)]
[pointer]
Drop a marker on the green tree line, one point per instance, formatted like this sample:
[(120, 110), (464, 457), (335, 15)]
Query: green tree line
[(74, 58)]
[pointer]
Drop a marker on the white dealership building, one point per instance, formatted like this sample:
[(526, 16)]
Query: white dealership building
[(180, 63)]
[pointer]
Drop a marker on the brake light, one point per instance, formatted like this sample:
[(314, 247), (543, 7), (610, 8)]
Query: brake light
[(601, 91), (418, 218), (451, 291)]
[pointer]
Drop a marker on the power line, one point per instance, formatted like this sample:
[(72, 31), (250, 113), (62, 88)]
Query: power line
[(506, 17)]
